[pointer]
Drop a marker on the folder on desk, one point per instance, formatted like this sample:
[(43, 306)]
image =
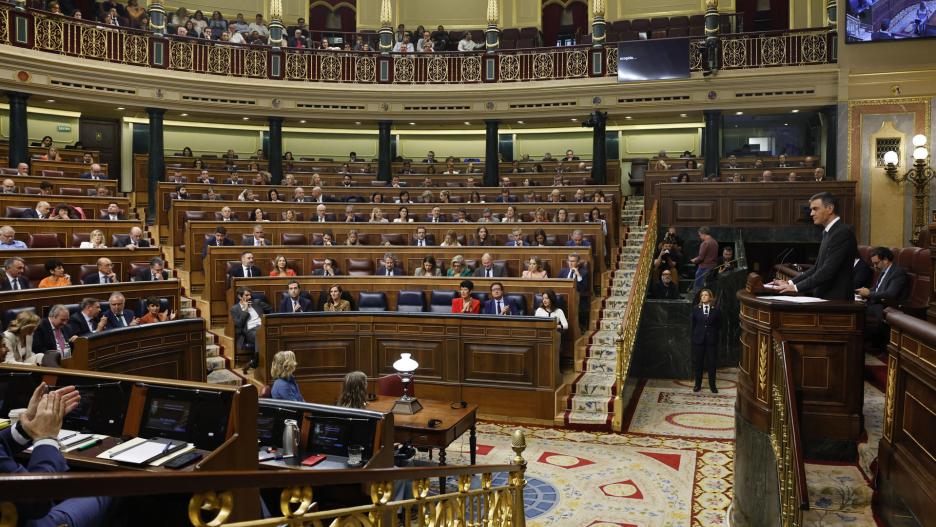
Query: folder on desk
[(139, 451)]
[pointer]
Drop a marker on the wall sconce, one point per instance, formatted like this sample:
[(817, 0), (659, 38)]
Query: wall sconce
[(919, 176)]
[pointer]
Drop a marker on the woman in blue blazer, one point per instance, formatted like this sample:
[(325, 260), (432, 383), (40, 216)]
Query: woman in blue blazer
[(706, 322)]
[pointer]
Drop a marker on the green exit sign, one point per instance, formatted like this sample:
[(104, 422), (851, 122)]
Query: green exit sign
[(63, 128)]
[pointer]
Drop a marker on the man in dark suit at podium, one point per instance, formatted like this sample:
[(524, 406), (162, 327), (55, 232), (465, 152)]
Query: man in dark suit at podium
[(832, 276)]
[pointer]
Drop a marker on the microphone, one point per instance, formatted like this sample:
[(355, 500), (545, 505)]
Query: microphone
[(786, 254)]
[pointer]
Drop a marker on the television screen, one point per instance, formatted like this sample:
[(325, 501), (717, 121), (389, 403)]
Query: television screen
[(879, 20), (661, 59)]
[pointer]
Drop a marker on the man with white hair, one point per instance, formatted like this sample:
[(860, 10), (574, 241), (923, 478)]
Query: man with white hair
[(53, 333), (95, 173), (9, 187), (8, 240), (41, 212), (105, 273), (134, 240), (117, 316), (321, 214), (22, 169)]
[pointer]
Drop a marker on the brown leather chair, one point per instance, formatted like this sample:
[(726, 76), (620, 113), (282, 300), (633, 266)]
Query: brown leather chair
[(195, 215), (35, 272), (6, 171), (136, 268), (52, 173), (78, 237), (85, 270), (31, 190), (393, 238), (15, 212), (359, 266), (294, 238), (43, 240), (70, 191)]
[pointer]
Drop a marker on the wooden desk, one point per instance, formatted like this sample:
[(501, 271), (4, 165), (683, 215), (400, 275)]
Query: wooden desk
[(59, 182), (415, 430), (73, 260), (67, 231), (70, 169), (91, 205)]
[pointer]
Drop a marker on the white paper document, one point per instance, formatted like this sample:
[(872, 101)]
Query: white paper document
[(796, 299)]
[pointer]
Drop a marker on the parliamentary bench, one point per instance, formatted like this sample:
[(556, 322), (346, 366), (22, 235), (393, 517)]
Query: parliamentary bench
[(79, 263), (40, 301), (379, 234), (68, 154), (50, 234), (61, 186), (221, 424), (363, 261), (653, 179), (412, 295), (508, 368), (13, 205), (65, 169)]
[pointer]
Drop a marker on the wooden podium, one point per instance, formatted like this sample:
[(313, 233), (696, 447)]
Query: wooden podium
[(827, 343)]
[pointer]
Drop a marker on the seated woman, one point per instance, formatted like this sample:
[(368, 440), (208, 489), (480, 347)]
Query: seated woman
[(403, 216), (57, 276), (458, 267), (273, 195), (594, 216), (428, 268), (153, 314), (550, 308), (376, 216), (280, 267), (561, 216), (540, 239), (482, 238), (18, 337), (65, 212), (257, 215), (51, 155), (335, 302), (510, 216), (535, 269), (451, 239), (353, 390), (283, 370), (96, 241), (289, 215), (353, 238), (463, 303)]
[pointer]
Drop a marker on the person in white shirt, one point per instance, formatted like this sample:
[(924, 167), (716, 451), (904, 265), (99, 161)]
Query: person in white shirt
[(467, 44), (405, 46), (258, 26), (550, 308), (235, 36), (425, 44)]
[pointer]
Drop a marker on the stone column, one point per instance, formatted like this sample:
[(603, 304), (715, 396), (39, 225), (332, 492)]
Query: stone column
[(19, 129), (712, 41), (383, 151), (832, 13), (276, 24), (492, 33), (157, 161), (275, 150), (599, 122), (829, 116), (157, 17), (598, 23), (491, 157), (711, 142), (385, 33)]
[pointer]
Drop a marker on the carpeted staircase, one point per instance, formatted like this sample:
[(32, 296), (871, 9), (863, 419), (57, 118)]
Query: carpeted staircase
[(216, 365), (590, 403)]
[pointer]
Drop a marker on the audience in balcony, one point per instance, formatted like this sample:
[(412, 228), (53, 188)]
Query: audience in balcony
[(467, 44)]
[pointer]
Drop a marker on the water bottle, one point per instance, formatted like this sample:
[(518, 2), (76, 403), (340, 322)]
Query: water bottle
[(290, 438)]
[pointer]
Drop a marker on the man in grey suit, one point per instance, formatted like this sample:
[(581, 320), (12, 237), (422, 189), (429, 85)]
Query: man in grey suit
[(487, 269)]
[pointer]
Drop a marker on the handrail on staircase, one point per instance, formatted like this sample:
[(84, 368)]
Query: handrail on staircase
[(786, 439), (627, 331)]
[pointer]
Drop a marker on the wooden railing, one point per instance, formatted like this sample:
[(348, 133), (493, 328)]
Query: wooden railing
[(485, 504), (627, 333), (786, 440), (86, 39)]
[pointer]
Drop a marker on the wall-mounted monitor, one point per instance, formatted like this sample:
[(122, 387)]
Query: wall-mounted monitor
[(648, 60), (884, 20)]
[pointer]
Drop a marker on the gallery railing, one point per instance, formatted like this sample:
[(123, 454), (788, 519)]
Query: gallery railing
[(47, 32)]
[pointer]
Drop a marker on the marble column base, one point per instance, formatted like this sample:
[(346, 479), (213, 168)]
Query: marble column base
[(756, 489)]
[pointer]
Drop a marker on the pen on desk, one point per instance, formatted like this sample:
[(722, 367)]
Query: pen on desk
[(169, 445), (92, 444)]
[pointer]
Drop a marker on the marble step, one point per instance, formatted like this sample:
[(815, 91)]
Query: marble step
[(214, 363), (224, 376), (212, 350)]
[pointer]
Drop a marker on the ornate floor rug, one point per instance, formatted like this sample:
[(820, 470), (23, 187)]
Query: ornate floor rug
[(671, 408)]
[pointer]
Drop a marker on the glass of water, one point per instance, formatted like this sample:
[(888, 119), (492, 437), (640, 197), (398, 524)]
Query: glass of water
[(355, 453)]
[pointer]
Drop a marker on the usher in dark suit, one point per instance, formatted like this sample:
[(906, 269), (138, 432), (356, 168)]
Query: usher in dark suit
[(704, 342), (832, 276)]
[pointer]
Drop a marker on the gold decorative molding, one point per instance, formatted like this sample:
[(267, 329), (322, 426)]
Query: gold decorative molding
[(889, 397), (762, 367), (493, 12)]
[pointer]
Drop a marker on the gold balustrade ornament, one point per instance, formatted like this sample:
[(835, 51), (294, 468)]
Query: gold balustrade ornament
[(781, 441)]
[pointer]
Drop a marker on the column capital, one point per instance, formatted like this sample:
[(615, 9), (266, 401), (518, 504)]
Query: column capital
[(275, 119), (19, 96), (153, 112)]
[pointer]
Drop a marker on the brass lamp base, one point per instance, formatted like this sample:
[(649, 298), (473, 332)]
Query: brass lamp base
[(407, 406)]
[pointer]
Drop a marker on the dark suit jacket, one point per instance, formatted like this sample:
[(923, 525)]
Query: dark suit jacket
[(44, 337), (430, 240), (147, 276), (286, 305), (30, 213), (490, 307), (513, 243), (321, 272), (123, 242), (498, 271), (226, 243), (106, 217), (240, 318), (44, 458), (893, 289), (580, 285), (5, 284), (328, 217), (510, 199), (250, 242), (238, 272), (670, 292), (705, 328), (863, 275), (113, 323), (396, 272), (832, 276), (95, 278), (78, 326), (102, 176), (585, 243)]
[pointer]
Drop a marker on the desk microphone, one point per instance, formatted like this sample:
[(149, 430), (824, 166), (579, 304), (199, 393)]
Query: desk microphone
[(786, 254)]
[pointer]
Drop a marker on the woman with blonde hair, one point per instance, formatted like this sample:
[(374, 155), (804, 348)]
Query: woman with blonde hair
[(353, 390), (451, 239), (95, 241), (283, 370), (535, 269), (376, 216), (18, 337)]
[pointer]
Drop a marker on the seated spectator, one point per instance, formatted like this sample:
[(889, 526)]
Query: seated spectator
[(516, 239), (45, 188), (682, 178), (758, 164), (155, 272), (561, 216), (767, 176), (246, 269), (458, 267), (467, 44), (299, 195), (475, 196), (818, 174), (428, 268), (403, 198), (376, 197), (297, 40), (550, 308), (227, 214), (482, 238), (259, 237), (464, 303), (294, 301), (153, 315), (430, 157), (220, 240), (18, 340), (95, 173), (791, 177), (134, 241), (273, 196), (510, 215), (9, 187), (535, 269), (499, 304), (435, 216), (422, 239), (487, 216), (118, 316), (260, 28), (335, 302), (101, 191), (105, 273), (505, 196), (289, 215), (540, 239), (539, 215), (891, 288), (88, 319), (65, 212), (41, 212), (22, 169), (350, 216), (594, 216), (329, 268), (248, 195), (8, 240), (353, 238), (113, 213), (95, 241), (283, 371), (51, 155), (390, 267), (203, 177), (451, 239), (667, 258), (13, 279), (575, 270), (246, 315), (239, 25), (577, 239), (555, 196), (57, 276), (665, 287)]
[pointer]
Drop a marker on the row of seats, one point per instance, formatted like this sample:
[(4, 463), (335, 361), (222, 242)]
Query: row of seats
[(35, 272), (44, 173), (17, 212), (61, 191), (399, 239), (140, 309), (918, 264), (52, 240), (525, 217)]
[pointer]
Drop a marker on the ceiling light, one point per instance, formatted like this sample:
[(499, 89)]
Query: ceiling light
[(795, 111), (121, 108), (574, 120), (183, 114), (302, 121), (628, 117), (50, 100), (684, 115), (412, 124), (357, 123), (739, 113), (246, 118), (520, 122)]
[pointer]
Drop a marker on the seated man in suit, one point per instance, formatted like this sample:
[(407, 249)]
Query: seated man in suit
[(119, 316), (113, 213), (53, 333), (322, 215), (422, 238), (505, 197), (38, 428), (435, 216), (88, 319), (220, 240), (155, 272), (9, 187), (516, 239), (134, 240), (863, 274), (294, 301), (41, 212), (329, 268), (577, 239), (105, 273), (498, 304), (246, 315), (299, 195), (891, 288), (819, 174), (487, 269), (96, 173), (258, 239), (246, 269), (570, 156), (390, 267), (13, 279), (317, 196), (665, 288)]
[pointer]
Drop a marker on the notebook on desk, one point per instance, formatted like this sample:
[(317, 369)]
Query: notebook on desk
[(140, 451)]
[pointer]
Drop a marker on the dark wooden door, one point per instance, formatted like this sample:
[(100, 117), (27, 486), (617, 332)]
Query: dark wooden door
[(103, 136)]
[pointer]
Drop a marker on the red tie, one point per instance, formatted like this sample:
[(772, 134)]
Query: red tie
[(60, 340)]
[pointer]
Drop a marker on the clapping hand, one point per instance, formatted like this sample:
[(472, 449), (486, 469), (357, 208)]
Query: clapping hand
[(43, 417)]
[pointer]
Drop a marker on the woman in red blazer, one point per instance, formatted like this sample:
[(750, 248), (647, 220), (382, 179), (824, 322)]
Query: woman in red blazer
[(464, 304)]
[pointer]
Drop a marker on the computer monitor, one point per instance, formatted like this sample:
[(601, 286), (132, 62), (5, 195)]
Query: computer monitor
[(186, 414), (329, 435), (270, 424), (103, 407)]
